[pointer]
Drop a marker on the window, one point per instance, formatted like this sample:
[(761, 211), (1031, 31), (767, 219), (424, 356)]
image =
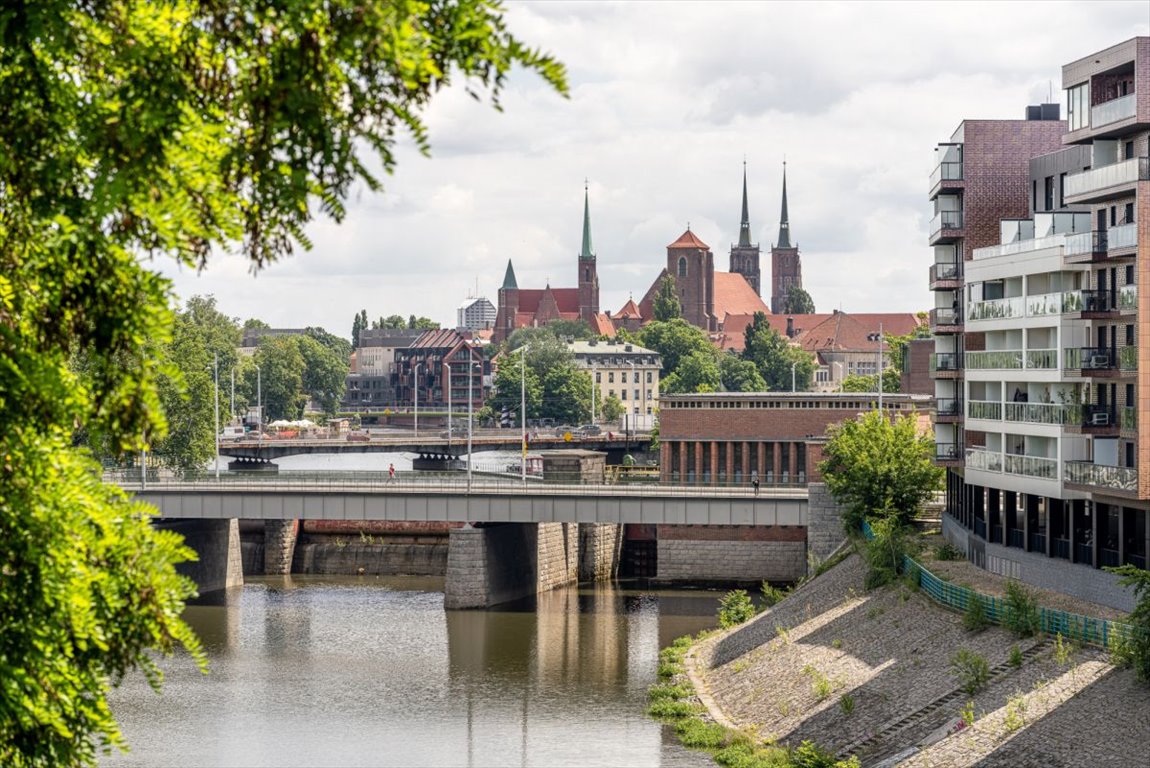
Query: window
[(1048, 193), (610, 393), (648, 377), (635, 376), (1034, 195), (1129, 274), (1129, 150), (1062, 190), (598, 377), (636, 395), (1128, 214), (1078, 106), (611, 377), (623, 394), (648, 397), (1113, 215), (1130, 335), (682, 266)]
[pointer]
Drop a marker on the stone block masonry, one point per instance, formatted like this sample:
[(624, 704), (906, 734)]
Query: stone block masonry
[(600, 547), (217, 542), (500, 563), (684, 560), (279, 546), (824, 522)]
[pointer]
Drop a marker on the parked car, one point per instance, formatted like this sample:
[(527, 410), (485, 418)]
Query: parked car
[(590, 430), (232, 433)]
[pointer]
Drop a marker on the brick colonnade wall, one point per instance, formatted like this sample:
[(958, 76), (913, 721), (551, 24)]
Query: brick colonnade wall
[(824, 522), (600, 545), (217, 542), (731, 553), (279, 546)]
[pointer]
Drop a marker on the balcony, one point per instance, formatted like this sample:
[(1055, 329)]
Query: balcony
[(1112, 111), (1092, 359), (982, 459), (1042, 304), (945, 320), (1042, 359), (992, 360), (946, 275), (1107, 181), (997, 309), (1085, 246), (1042, 413), (1122, 236), (1030, 466), (1098, 418), (984, 409), (945, 225), (1037, 542), (948, 409), (1128, 417), (1019, 246), (948, 452), (945, 175), (949, 364), (1124, 479), (1128, 298)]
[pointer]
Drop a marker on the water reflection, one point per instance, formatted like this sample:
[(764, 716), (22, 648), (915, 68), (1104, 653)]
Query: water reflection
[(331, 671)]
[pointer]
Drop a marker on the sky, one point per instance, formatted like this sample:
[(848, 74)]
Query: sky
[(667, 100)]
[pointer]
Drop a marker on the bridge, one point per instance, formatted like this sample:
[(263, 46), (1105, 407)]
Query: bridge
[(508, 539), (264, 451)]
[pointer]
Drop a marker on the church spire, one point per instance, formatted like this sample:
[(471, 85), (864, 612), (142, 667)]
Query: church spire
[(784, 224), (509, 277), (586, 254), (745, 223)]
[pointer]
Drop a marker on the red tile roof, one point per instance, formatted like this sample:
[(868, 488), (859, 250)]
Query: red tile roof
[(735, 296), (628, 311), (688, 240), (603, 325), (566, 299), (843, 331)]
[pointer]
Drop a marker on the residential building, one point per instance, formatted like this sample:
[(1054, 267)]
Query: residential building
[(1040, 365), (475, 314), (626, 371), (443, 366), (721, 437), (369, 380)]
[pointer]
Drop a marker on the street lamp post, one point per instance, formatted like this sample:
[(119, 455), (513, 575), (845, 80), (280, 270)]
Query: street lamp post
[(523, 412), (216, 379), (470, 419), (259, 406), (793, 376), (877, 337), (415, 391)]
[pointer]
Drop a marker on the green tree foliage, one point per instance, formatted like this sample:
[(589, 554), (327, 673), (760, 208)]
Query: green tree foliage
[(421, 324), (735, 607), (673, 340), (571, 329), (338, 345), (611, 409), (697, 372), (739, 375), (281, 368), (141, 130), (510, 376), (891, 382), (773, 356), (393, 322), (878, 468), (566, 394), (1134, 649), (325, 369), (255, 323), (798, 302), (666, 304), (358, 326)]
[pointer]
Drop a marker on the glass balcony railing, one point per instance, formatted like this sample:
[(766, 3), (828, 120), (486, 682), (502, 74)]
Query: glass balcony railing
[(948, 270), (999, 359), (1122, 236), (1050, 303), (1042, 359), (1030, 466), (1114, 110), (1085, 243), (1019, 246), (945, 316), (1113, 175), (1128, 297), (997, 309), (945, 220), (1101, 476), (1128, 358), (945, 361), (1098, 300), (947, 171), (1129, 417), (947, 451), (1089, 358), (948, 406), (1043, 413), (980, 458), (984, 409)]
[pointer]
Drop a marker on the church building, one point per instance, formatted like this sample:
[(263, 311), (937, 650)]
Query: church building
[(786, 264)]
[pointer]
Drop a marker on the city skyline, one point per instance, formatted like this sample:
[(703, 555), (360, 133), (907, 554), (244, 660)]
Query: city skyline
[(661, 130)]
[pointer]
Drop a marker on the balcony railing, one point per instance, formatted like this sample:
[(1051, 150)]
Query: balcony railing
[(1030, 466), (1098, 416), (947, 451), (996, 534), (945, 316), (984, 409), (1051, 303), (1122, 236), (1114, 110), (1060, 548), (1085, 243), (946, 270), (947, 171), (1019, 246), (1102, 476), (987, 461), (1043, 413), (1037, 542), (1014, 538), (1089, 358), (1098, 300), (1044, 359), (948, 406), (1128, 417), (1128, 358), (1108, 558), (996, 309), (945, 361), (1128, 297), (1113, 175), (998, 359), (945, 220), (980, 528), (1083, 553)]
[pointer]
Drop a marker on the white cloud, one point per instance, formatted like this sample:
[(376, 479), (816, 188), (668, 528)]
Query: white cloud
[(666, 100)]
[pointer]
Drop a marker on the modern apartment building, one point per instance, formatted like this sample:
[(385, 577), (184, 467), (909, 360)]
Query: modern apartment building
[(1040, 361)]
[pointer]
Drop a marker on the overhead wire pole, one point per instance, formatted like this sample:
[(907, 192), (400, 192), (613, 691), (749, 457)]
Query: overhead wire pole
[(415, 391), (523, 414), (216, 378), (470, 420), (877, 337)]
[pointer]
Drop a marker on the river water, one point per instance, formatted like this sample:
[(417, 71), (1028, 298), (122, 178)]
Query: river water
[(355, 671)]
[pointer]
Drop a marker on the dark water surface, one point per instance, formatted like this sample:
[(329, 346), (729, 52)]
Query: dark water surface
[(321, 671)]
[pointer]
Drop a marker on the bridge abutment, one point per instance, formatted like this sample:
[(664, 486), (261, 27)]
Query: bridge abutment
[(600, 550), (217, 543), (500, 563), (279, 546)]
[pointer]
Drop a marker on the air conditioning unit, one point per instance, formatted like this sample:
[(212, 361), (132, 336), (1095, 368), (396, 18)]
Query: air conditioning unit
[(1100, 419), (1099, 360)]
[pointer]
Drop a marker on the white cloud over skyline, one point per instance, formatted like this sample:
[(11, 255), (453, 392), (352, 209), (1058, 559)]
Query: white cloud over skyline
[(666, 100)]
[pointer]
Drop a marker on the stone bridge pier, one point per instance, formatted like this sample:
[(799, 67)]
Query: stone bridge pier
[(217, 542)]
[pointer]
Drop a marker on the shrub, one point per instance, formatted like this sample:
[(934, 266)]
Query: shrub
[(669, 709), (975, 618), (811, 755), (847, 704), (947, 551), (1020, 610), (1015, 659), (697, 734), (735, 608), (971, 669), (885, 552), (1134, 645), (772, 594), (821, 687), (1063, 650), (1015, 713)]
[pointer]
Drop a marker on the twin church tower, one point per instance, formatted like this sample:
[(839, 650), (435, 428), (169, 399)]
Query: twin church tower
[(707, 296)]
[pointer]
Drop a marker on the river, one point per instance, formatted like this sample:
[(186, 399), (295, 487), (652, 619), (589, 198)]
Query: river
[(354, 671)]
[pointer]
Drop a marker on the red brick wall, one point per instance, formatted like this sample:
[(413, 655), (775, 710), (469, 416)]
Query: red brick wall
[(731, 533)]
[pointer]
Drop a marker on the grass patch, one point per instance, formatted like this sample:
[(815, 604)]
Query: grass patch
[(1015, 659), (971, 669), (697, 734), (671, 709), (666, 691)]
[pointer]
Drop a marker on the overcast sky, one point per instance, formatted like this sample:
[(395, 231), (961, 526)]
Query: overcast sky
[(666, 100)]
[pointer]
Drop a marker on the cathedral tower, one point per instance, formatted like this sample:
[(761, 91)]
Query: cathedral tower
[(786, 264), (745, 255), (588, 274)]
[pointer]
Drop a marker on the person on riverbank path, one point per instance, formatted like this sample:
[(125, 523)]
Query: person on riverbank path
[(755, 480)]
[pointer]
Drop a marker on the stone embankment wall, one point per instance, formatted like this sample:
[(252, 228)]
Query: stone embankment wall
[(500, 563), (824, 522), (600, 548), (731, 553)]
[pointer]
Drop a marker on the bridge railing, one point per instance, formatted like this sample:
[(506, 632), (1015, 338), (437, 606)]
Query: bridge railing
[(428, 482)]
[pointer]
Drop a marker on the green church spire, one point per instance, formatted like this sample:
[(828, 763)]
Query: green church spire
[(586, 254), (784, 224), (509, 277), (745, 224)]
